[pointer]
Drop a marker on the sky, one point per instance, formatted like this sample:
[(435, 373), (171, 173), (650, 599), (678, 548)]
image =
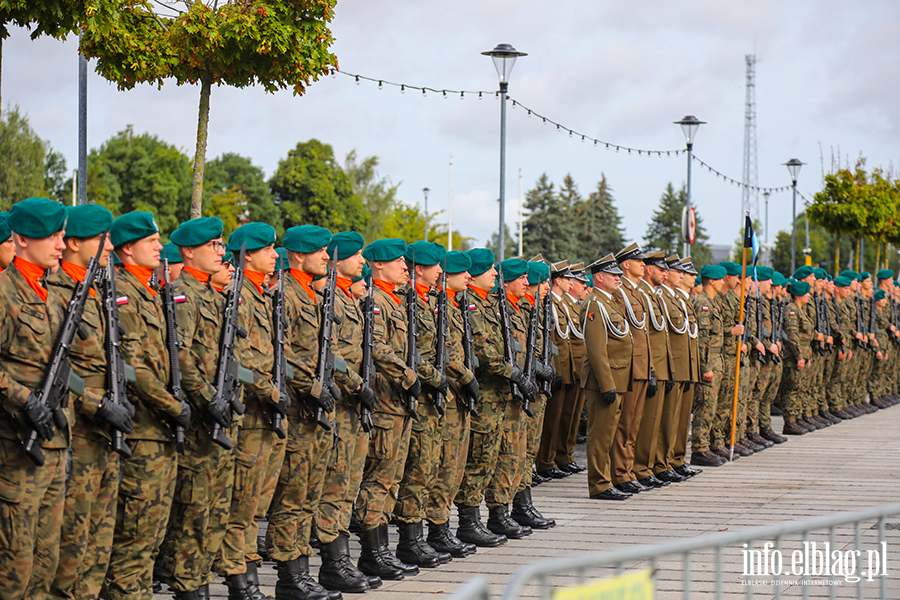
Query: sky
[(621, 72)]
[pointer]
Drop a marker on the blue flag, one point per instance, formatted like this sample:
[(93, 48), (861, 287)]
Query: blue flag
[(750, 239)]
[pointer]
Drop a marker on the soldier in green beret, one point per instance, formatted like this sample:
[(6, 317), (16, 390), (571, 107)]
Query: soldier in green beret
[(348, 455), (769, 378), (89, 516), (33, 496), (799, 332), (843, 311), (359, 285), (397, 390), (148, 477), (7, 246), (170, 253)]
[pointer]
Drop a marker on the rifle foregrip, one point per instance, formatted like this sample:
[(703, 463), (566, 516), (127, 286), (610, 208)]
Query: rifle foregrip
[(33, 449)]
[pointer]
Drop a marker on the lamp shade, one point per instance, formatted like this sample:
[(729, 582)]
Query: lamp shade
[(793, 166), (504, 57), (689, 126)]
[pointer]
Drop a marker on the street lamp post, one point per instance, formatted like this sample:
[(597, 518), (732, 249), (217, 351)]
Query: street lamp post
[(689, 126), (766, 196), (793, 166), (504, 57), (425, 191)]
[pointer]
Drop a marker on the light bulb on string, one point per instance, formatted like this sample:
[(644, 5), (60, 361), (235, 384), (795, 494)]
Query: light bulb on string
[(402, 89), (379, 85)]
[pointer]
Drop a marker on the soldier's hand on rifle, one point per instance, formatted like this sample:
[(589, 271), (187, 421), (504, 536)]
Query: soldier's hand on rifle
[(800, 364), (472, 389), (545, 372), (220, 411), (879, 355), (366, 397), (115, 415), (609, 397), (820, 337), (653, 385), (517, 376), (415, 390), (557, 384), (670, 385), (40, 417), (829, 340), (760, 348), (128, 406), (184, 417), (859, 336), (325, 399), (737, 330), (708, 376), (528, 389), (773, 349)]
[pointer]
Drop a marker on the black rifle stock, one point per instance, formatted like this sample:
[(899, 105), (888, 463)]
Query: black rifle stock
[(279, 372), (468, 350), (172, 345), (412, 334), (325, 369), (115, 370), (546, 329), (509, 347), (440, 342), (367, 370)]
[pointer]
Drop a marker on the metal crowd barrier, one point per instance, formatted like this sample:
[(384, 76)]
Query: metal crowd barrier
[(843, 532)]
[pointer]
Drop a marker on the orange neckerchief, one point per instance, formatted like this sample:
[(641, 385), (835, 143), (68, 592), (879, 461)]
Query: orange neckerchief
[(451, 296), (514, 301), (198, 275), (217, 288), (530, 298), (77, 273), (32, 274), (480, 292), (344, 284), (388, 288), (305, 280), (143, 275), (256, 279), (422, 291)]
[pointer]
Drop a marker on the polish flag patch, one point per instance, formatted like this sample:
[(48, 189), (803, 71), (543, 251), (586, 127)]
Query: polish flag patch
[(471, 307), (791, 313), (122, 300), (180, 298), (376, 310), (704, 308)]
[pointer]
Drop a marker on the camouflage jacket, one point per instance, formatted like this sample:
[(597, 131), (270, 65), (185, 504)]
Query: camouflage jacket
[(457, 373), (729, 307), (709, 332), (28, 330), (303, 315), (799, 331), (257, 353), (389, 355), (144, 348), (487, 338), (348, 333)]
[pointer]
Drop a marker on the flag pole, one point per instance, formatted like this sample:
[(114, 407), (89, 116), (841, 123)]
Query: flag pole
[(737, 366)]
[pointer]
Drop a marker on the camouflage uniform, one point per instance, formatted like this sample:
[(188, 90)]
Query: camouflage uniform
[(843, 341), (729, 304), (533, 425), (769, 377), (89, 517), (31, 497), (799, 333), (206, 470), (148, 477), (710, 335), (258, 453)]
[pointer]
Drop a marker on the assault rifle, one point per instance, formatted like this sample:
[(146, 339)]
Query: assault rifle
[(471, 361), (818, 347), (860, 321), (760, 334), (54, 388), (367, 370), (172, 346), (509, 348), (530, 354), (325, 369), (773, 318), (279, 372), (837, 317), (547, 349), (872, 328), (115, 369), (412, 334), (440, 342)]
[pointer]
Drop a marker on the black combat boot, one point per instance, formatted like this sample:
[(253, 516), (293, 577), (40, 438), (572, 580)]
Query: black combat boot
[(203, 592), (294, 582), (186, 595), (237, 587), (524, 513), (410, 550), (471, 530), (253, 582), (500, 523), (337, 572), (371, 561), (440, 538), (384, 544), (443, 557)]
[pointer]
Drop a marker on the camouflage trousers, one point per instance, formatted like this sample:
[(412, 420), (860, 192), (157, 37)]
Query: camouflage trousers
[(749, 421), (89, 519), (31, 514), (310, 449), (422, 462), (815, 391), (533, 427), (454, 450), (513, 443), (200, 510), (343, 476), (834, 388), (485, 435), (388, 447), (705, 401), (725, 405), (267, 492), (145, 501), (766, 390), (795, 384), (257, 461)]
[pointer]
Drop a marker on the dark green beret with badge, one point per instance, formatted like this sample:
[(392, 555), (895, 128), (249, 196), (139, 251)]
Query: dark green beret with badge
[(5, 231), (306, 238), (171, 253), (347, 243), (131, 227), (37, 218), (255, 235), (799, 288), (482, 260), (731, 268), (87, 220), (714, 272), (385, 250), (197, 232), (538, 272), (863, 275), (457, 262), (841, 281), (425, 253), (513, 268), (885, 274), (879, 295), (849, 274)]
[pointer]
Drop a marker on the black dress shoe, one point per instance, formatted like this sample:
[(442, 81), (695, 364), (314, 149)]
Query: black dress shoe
[(631, 487), (538, 479), (653, 482), (611, 494), (553, 473), (572, 468), (687, 472), (670, 476), (580, 439)]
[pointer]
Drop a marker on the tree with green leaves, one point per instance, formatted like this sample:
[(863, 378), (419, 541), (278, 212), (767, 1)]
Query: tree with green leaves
[(236, 191), (278, 44), (510, 244), (547, 230), (378, 194), (664, 230), (28, 165), (311, 187), (598, 225)]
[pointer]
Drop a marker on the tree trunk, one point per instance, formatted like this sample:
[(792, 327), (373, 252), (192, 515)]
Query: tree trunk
[(200, 154), (837, 254), (1, 73)]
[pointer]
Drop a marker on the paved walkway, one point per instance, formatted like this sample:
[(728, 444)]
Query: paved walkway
[(853, 465)]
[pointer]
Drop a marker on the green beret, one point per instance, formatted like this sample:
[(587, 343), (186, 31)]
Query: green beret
[(255, 235), (457, 262), (713, 272), (366, 274), (538, 272), (762, 274), (841, 281), (879, 295), (87, 220), (482, 260), (803, 272), (170, 252), (37, 218), (885, 274), (820, 273), (385, 250), (197, 232), (131, 227), (513, 268), (228, 257), (851, 275), (799, 288), (863, 275), (347, 243), (731, 268), (698, 280), (777, 278), (5, 231), (306, 238), (281, 262), (425, 253)]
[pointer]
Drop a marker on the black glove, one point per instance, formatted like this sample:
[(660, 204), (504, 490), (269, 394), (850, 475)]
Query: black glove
[(366, 397), (609, 397), (128, 406), (335, 392), (557, 384), (326, 399), (472, 389), (669, 386), (687, 386), (545, 372), (220, 411), (40, 417), (517, 376), (415, 390), (184, 417), (115, 415), (653, 386)]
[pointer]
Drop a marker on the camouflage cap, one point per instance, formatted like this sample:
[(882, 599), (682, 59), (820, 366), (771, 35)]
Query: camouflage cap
[(131, 227), (197, 232), (37, 217)]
